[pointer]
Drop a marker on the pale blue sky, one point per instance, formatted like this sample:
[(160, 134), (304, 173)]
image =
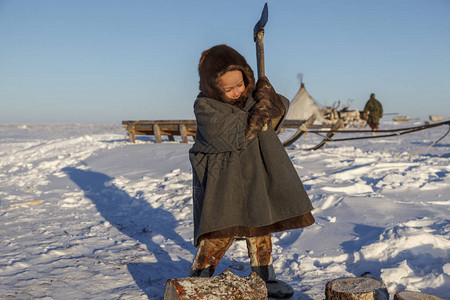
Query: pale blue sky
[(110, 60)]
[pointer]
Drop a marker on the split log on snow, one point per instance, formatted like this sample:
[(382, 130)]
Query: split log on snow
[(407, 295), (356, 288), (26, 203), (226, 285)]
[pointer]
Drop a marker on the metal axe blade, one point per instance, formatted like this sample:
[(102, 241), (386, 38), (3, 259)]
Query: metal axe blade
[(259, 26), (258, 34)]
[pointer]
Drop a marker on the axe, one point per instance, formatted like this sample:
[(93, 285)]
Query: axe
[(258, 35)]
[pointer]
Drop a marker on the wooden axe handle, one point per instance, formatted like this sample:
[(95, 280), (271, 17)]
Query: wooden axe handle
[(260, 53)]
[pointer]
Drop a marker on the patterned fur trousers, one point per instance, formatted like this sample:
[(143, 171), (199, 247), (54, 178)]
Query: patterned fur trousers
[(211, 251)]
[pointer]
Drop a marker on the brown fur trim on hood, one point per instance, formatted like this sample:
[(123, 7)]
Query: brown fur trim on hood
[(214, 63)]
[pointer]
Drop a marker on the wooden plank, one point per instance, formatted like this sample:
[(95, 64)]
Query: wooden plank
[(157, 131), (144, 132), (160, 122), (183, 133)]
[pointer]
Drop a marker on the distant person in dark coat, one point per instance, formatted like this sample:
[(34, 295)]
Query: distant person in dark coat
[(244, 183), (373, 112)]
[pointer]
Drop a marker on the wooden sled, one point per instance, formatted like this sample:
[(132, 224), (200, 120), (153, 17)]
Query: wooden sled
[(171, 128)]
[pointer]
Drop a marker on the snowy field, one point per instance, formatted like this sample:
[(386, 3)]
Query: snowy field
[(113, 220)]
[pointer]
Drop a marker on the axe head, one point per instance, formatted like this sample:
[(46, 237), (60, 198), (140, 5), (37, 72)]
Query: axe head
[(259, 26)]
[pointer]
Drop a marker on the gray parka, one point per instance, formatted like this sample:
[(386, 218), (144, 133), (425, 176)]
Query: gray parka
[(242, 188)]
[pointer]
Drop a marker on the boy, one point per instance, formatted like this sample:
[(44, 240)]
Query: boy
[(244, 184)]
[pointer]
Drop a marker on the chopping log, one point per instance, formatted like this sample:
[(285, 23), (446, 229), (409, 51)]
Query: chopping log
[(356, 288), (408, 295), (226, 286)]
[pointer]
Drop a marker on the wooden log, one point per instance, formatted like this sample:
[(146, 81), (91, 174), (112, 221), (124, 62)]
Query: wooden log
[(356, 288), (408, 295), (226, 286)]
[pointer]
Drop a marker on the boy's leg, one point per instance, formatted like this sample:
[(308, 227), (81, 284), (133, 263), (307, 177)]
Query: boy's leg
[(209, 253), (261, 259)]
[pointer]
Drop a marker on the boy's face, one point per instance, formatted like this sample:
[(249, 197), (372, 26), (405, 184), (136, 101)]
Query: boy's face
[(233, 84)]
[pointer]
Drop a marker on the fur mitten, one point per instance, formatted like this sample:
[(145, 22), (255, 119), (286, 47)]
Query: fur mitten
[(269, 108), (257, 121), (265, 93)]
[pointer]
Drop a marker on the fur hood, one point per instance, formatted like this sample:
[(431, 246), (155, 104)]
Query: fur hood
[(214, 63)]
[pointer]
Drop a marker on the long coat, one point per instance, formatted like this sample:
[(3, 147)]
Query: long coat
[(242, 188), (376, 110)]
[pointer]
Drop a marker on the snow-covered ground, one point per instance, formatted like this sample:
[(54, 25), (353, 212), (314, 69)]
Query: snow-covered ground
[(115, 218)]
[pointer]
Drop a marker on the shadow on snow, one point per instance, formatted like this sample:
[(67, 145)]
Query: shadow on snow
[(136, 218)]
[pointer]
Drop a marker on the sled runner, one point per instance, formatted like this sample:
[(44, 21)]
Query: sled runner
[(301, 130), (380, 133), (329, 135), (383, 133)]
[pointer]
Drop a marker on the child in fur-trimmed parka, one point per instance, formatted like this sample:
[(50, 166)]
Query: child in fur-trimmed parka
[(244, 184)]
